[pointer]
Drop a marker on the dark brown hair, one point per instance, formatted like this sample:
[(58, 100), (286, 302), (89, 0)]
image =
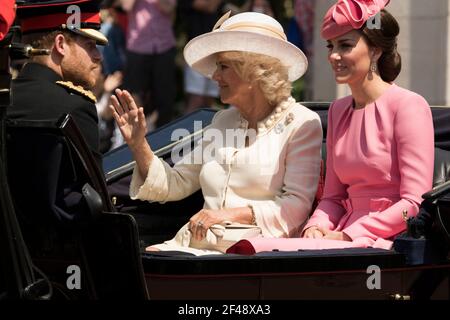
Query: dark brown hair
[(385, 38)]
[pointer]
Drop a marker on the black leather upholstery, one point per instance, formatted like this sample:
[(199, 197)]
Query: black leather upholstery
[(65, 212), (441, 166), (441, 121)]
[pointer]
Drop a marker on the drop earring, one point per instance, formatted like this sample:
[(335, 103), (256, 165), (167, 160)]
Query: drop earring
[(373, 67)]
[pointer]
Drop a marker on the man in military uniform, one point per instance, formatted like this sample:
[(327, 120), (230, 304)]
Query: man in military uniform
[(56, 82), (59, 82)]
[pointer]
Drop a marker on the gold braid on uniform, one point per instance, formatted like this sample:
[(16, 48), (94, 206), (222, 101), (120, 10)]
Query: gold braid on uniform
[(78, 89)]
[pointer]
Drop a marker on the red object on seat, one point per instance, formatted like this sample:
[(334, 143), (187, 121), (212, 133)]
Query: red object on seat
[(7, 15), (242, 247)]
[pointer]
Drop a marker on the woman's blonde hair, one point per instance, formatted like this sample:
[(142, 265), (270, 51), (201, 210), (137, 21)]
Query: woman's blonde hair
[(270, 75)]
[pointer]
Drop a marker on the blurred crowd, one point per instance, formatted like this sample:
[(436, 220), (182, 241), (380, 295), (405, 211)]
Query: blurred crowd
[(144, 54)]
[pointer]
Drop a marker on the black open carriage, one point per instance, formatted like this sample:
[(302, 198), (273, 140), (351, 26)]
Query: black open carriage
[(101, 244), (420, 270), (107, 242)]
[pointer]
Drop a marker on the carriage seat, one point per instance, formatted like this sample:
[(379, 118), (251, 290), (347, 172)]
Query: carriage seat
[(45, 159)]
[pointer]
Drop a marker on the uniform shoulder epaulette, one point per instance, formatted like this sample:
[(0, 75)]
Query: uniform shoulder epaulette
[(78, 89)]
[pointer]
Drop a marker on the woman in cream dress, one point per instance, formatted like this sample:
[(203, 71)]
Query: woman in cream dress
[(259, 160)]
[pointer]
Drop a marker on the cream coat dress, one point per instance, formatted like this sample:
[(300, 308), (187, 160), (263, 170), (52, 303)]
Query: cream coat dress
[(276, 173)]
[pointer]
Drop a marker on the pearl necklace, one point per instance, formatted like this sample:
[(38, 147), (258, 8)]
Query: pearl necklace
[(272, 119)]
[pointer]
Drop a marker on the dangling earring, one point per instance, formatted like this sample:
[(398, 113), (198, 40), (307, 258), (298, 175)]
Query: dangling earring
[(373, 66)]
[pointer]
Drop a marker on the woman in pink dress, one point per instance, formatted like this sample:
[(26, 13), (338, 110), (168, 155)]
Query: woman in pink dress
[(380, 143)]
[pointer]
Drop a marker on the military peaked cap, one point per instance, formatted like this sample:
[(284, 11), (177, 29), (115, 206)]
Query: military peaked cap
[(79, 16)]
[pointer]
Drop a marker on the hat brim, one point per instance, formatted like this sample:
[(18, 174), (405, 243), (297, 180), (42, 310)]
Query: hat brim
[(199, 52), (99, 37)]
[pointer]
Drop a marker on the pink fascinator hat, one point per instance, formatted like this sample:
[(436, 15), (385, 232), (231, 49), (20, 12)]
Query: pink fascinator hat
[(347, 15)]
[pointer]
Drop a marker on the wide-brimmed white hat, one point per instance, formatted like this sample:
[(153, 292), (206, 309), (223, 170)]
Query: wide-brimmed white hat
[(250, 32)]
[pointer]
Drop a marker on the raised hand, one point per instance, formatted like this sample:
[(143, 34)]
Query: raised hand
[(129, 118)]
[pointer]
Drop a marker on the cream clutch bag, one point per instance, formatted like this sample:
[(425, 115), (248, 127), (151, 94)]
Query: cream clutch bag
[(222, 236)]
